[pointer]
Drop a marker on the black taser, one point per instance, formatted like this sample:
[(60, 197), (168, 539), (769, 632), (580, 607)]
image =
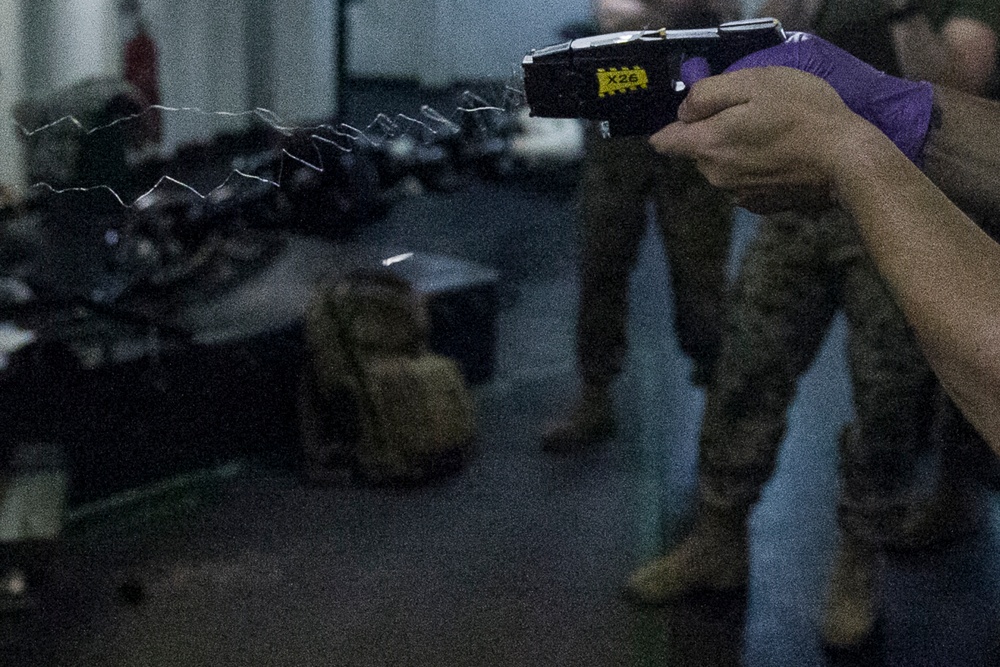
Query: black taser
[(631, 81)]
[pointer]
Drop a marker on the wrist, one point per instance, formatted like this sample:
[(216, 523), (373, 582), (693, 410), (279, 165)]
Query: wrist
[(853, 159), (865, 172)]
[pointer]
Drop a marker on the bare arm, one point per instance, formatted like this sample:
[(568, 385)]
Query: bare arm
[(962, 154), (943, 269)]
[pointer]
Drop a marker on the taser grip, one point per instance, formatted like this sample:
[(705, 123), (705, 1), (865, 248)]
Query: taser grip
[(630, 81)]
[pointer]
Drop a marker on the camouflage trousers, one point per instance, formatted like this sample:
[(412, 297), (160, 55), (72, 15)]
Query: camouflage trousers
[(797, 274), (621, 178)]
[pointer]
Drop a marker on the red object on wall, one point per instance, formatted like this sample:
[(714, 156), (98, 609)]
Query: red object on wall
[(142, 70)]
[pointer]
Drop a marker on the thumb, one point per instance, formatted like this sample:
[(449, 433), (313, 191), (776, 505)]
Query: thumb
[(675, 139), (712, 95)]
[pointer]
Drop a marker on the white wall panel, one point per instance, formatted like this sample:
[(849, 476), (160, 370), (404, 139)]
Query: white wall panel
[(436, 42), (83, 40), (12, 89), (202, 65), (304, 51), (226, 68), (386, 38), (181, 31)]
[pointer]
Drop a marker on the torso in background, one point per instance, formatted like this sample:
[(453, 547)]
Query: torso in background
[(862, 28), (670, 14)]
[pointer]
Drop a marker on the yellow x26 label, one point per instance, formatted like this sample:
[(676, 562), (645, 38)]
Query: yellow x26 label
[(620, 80)]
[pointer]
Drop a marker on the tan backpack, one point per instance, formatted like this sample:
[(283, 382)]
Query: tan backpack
[(373, 397)]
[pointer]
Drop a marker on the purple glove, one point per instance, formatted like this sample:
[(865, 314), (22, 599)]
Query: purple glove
[(900, 108)]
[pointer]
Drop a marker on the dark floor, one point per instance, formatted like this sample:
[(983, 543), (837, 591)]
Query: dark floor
[(520, 559)]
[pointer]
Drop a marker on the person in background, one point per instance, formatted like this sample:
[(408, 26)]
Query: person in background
[(622, 178), (797, 272), (806, 123)]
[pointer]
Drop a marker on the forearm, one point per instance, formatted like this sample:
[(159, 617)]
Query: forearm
[(962, 154), (944, 271)]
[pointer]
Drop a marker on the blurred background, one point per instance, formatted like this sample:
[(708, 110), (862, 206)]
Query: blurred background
[(179, 178)]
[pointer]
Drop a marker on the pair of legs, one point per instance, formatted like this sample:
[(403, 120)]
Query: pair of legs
[(621, 178), (796, 275)]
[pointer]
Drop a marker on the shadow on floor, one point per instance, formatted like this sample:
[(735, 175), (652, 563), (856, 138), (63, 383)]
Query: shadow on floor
[(520, 559)]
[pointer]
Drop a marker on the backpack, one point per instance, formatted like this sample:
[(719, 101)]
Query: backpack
[(373, 397)]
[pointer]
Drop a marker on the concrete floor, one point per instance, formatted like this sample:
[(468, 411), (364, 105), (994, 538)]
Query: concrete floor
[(520, 559)]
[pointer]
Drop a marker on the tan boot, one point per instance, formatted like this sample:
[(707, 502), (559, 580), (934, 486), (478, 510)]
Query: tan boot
[(591, 420), (713, 557), (850, 613)]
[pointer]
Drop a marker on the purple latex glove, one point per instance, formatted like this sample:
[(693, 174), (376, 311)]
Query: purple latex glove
[(900, 108)]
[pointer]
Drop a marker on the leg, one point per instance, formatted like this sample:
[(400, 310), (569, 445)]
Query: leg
[(966, 468), (782, 306), (893, 397), (614, 217), (695, 222), (783, 302)]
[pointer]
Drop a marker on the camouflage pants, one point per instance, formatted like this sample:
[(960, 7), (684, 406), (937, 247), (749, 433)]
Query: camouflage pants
[(621, 178), (796, 275)]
